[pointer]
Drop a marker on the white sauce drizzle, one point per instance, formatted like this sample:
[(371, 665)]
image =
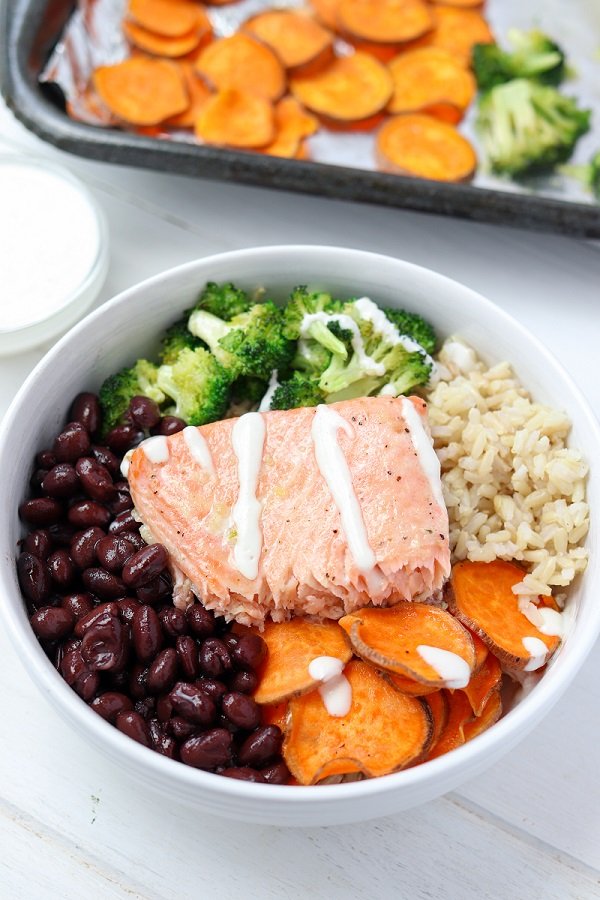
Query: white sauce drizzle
[(548, 621), (198, 448), (424, 450), (265, 403), (537, 651), (382, 325), (248, 437), (334, 469), (156, 449), (335, 689), (453, 669), (369, 366), (125, 463)]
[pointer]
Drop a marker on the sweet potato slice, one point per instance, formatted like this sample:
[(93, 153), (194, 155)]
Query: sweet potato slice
[(483, 684), (292, 125), (326, 11), (291, 647), (169, 18), (458, 30), (482, 598), (158, 45), (396, 639), (383, 732), (440, 710), (453, 733), (408, 686), (384, 21), (198, 93), (142, 91), (299, 41), (233, 118), (489, 716), (461, 4), (427, 78), (350, 90), (424, 147), (481, 651), (244, 63)]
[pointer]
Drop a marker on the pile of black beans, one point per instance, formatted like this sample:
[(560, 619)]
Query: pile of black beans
[(100, 603)]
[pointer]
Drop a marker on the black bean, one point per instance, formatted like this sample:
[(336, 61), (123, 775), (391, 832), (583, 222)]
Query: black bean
[(95, 615), (215, 689), (79, 605), (146, 707), (123, 437), (113, 551), (107, 459), (276, 773), (249, 651), (83, 552), (162, 672), (173, 621), (45, 459), (38, 543), (85, 409), (214, 657), (37, 479), (181, 728), (61, 481), (34, 578), (127, 607), (146, 633), (104, 645), (156, 590), (104, 584), (85, 513), (110, 704), (134, 726), (137, 681), (62, 534), (261, 746), (78, 675), (193, 704), (51, 623), (208, 750), (201, 620), (71, 443), (95, 479), (161, 742), (123, 522), (134, 538), (41, 511), (121, 503), (244, 773), (169, 425), (145, 565), (164, 708), (245, 682), (187, 651), (241, 710), (61, 568), (144, 412)]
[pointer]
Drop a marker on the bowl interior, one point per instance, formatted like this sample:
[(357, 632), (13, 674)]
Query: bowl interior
[(127, 328)]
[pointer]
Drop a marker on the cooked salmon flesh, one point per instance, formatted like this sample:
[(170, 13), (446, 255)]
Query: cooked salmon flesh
[(312, 511)]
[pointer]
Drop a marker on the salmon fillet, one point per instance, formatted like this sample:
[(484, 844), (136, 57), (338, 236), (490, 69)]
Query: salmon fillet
[(397, 542)]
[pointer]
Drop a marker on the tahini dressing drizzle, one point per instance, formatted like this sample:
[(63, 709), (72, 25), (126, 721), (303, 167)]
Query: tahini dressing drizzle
[(452, 669), (198, 448), (335, 689)]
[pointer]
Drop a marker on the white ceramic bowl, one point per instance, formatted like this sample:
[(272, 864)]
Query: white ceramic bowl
[(127, 328)]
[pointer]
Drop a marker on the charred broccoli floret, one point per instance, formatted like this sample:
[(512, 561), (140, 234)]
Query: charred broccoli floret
[(527, 127), (118, 390), (198, 385), (533, 55)]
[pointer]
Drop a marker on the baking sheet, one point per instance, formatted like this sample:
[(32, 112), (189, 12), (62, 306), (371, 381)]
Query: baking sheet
[(93, 37)]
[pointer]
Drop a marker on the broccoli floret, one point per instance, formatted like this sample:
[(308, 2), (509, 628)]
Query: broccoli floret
[(527, 127), (299, 390), (534, 55), (588, 174), (223, 300), (197, 384), (118, 390), (299, 321), (175, 339), (251, 390), (310, 357), (413, 326), (251, 343)]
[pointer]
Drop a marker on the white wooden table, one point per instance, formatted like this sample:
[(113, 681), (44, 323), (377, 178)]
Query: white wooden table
[(72, 826)]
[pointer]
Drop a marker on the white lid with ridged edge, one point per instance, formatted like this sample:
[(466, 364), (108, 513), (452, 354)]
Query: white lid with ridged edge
[(53, 251)]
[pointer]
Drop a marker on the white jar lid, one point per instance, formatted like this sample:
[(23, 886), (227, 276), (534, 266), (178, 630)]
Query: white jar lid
[(53, 251)]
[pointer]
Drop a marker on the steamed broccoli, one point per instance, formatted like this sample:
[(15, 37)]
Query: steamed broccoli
[(299, 322), (527, 127), (588, 174), (251, 343), (310, 357), (534, 56), (198, 384), (223, 300), (413, 326), (299, 390), (175, 339), (118, 390)]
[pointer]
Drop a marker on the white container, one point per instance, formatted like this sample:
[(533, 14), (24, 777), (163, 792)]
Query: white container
[(127, 328), (53, 251)]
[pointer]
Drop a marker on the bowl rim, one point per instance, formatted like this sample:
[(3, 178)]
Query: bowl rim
[(507, 731)]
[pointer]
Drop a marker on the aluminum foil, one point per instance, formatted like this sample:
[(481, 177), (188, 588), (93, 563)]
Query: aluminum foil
[(93, 37)]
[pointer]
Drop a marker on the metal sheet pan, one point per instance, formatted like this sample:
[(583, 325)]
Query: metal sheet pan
[(30, 30)]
